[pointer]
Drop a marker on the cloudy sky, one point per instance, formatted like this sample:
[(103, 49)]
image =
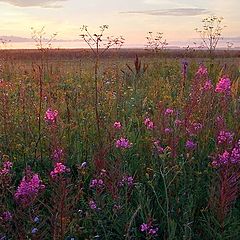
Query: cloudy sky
[(130, 18)]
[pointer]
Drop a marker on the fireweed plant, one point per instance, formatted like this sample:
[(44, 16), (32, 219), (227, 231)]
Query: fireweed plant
[(168, 166)]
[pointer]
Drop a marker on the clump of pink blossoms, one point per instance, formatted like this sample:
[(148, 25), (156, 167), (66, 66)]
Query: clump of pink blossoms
[(228, 157), (6, 168), (169, 111), (97, 183), (126, 180), (51, 116), (202, 70), (223, 86), (57, 154), (158, 147), (225, 137), (28, 189), (148, 229), (149, 123), (59, 169), (190, 145), (117, 125), (208, 85), (123, 143)]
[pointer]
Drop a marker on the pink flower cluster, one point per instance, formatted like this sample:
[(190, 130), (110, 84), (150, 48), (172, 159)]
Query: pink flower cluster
[(126, 180), (57, 154), (190, 145), (223, 86), (194, 128), (169, 111), (158, 147), (97, 183), (51, 116), (59, 169), (149, 124), (208, 85), (117, 125), (6, 216), (228, 157), (92, 205), (28, 189), (123, 143), (202, 70), (225, 137), (148, 229), (6, 168)]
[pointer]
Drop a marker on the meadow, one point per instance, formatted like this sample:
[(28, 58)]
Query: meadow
[(155, 156)]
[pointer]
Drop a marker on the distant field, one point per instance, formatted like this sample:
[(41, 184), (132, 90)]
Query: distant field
[(123, 148)]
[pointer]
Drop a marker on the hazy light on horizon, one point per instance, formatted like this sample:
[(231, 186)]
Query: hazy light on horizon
[(132, 19)]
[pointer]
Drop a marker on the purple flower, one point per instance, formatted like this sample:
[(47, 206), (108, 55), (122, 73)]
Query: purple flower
[(96, 183), (158, 147), (28, 189), (202, 70), (6, 216), (149, 124), (92, 205), (208, 85), (168, 130), (223, 86), (117, 125), (168, 111), (126, 180), (57, 154), (36, 220), (123, 143), (34, 230), (51, 116), (144, 227), (6, 168), (235, 155), (148, 229), (225, 137), (223, 159), (153, 231), (59, 169), (178, 122), (190, 145)]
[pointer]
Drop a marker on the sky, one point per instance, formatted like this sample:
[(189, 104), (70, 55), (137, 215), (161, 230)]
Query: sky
[(132, 19)]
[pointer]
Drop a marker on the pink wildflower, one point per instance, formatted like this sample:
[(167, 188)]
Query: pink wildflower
[(208, 85), (225, 137), (96, 183), (149, 124), (59, 169), (51, 116), (168, 111), (202, 70), (123, 143), (28, 189), (6, 168), (190, 145), (117, 125), (223, 86)]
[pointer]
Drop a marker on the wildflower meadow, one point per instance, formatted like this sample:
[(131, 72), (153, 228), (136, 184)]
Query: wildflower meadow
[(107, 145)]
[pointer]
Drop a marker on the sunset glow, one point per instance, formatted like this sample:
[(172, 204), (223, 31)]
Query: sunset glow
[(132, 19)]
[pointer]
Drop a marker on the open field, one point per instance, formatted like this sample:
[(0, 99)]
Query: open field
[(120, 148)]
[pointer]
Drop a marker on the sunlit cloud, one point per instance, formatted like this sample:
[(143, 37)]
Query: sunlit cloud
[(172, 12), (35, 3)]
